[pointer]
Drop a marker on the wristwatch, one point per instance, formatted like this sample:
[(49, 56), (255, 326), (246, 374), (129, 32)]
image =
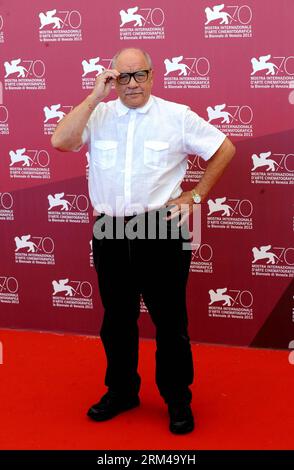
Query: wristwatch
[(196, 197)]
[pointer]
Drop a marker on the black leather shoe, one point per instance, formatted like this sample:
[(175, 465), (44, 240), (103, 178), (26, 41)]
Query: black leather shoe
[(181, 418), (110, 405)]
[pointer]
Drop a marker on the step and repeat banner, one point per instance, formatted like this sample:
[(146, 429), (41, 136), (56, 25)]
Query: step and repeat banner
[(232, 63)]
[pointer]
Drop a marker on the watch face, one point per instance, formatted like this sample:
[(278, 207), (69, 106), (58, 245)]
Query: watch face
[(197, 198)]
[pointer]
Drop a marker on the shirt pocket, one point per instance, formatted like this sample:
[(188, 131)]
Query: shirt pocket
[(105, 153), (155, 154)]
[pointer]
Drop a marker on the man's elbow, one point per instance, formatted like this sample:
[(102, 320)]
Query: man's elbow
[(55, 143), (230, 149), (64, 146)]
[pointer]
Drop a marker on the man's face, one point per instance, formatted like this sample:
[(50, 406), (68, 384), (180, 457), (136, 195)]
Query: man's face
[(133, 95)]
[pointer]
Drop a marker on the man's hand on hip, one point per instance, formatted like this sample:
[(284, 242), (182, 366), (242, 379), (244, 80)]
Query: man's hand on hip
[(181, 206)]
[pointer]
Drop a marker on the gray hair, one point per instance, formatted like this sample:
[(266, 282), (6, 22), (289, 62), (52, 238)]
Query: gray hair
[(145, 54)]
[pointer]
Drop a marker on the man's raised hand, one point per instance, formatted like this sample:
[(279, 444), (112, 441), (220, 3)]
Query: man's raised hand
[(103, 84)]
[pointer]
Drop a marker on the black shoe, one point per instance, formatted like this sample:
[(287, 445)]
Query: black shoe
[(181, 418), (110, 405)]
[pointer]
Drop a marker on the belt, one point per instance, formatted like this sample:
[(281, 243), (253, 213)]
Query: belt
[(124, 218), (127, 218)]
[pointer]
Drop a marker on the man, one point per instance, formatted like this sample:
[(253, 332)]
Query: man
[(139, 145)]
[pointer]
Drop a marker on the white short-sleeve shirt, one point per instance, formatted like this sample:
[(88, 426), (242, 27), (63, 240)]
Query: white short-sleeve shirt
[(138, 157)]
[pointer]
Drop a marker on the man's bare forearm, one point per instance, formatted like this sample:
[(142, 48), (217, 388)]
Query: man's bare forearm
[(215, 168), (68, 134)]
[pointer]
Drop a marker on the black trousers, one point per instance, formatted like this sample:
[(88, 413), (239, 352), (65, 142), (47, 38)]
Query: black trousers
[(158, 270)]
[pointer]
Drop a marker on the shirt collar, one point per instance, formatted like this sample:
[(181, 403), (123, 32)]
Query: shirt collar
[(121, 109)]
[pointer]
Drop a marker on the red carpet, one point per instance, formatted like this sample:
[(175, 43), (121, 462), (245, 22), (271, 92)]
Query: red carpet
[(242, 398)]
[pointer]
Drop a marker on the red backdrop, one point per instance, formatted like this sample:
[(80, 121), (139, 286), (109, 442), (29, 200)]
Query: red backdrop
[(233, 65)]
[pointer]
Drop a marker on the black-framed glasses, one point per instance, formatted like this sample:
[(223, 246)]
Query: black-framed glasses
[(140, 76)]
